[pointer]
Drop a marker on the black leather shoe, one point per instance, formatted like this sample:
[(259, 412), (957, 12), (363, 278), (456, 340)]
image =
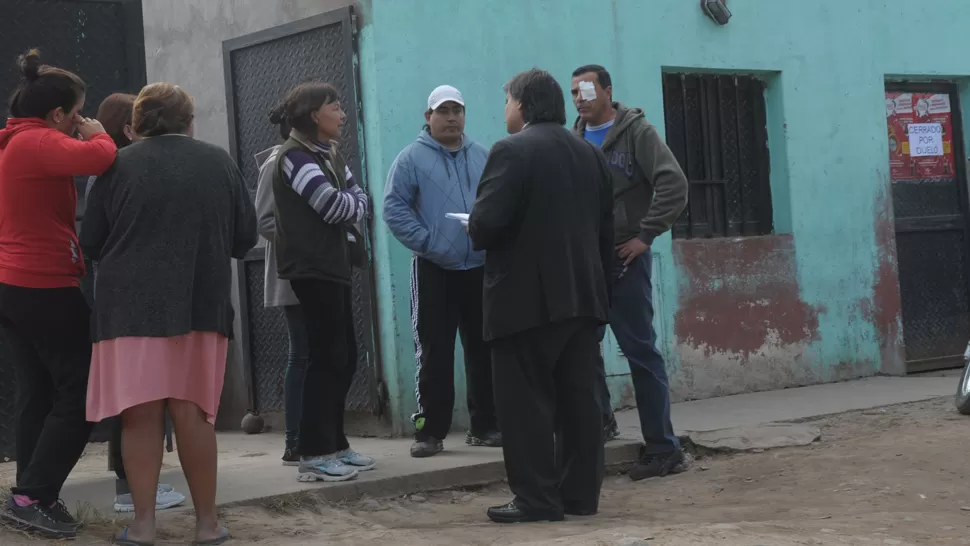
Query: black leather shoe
[(577, 510), (658, 465), (510, 513)]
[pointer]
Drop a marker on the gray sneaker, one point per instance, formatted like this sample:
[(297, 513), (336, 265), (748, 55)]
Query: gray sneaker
[(427, 448), (166, 497), (325, 469), (36, 520), (360, 463)]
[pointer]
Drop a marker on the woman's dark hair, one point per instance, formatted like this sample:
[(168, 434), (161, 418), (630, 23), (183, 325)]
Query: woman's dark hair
[(43, 88), (300, 103), (162, 109), (276, 117), (114, 114), (540, 96)]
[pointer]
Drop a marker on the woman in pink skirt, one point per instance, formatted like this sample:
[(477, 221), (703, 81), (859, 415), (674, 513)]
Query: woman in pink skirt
[(164, 224)]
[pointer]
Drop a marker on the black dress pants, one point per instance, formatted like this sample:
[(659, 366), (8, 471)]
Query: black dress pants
[(546, 393), (48, 333)]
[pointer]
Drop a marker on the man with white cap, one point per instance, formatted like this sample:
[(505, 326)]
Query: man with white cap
[(436, 175)]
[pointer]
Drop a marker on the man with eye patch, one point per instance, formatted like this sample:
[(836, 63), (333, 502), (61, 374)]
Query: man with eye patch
[(649, 194)]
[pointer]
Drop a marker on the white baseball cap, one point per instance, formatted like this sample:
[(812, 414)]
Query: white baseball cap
[(443, 94)]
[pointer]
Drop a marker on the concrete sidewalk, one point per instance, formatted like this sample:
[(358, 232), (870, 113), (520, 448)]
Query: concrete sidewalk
[(805, 402), (249, 467)]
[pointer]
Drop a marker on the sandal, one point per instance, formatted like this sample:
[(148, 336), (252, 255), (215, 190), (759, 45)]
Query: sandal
[(123, 540), (215, 541)]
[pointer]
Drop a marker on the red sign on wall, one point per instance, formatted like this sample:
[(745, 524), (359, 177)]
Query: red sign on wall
[(931, 109)]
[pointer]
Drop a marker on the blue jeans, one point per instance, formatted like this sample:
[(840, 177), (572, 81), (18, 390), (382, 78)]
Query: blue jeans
[(631, 319), (297, 359)]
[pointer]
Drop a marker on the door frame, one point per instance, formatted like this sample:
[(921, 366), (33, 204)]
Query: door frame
[(960, 169), (344, 16)]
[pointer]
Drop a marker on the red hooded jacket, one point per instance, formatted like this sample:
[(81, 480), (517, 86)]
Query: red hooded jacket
[(38, 201)]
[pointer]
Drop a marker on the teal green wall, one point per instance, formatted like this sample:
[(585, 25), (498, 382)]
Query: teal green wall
[(825, 63)]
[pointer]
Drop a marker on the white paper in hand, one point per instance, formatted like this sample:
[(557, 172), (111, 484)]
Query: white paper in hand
[(460, 216)]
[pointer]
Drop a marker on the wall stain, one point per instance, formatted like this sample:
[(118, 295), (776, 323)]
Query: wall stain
[(739, 295), (628, 397), (884, 310)]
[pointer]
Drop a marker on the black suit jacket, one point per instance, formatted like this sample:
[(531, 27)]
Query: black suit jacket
[(544, 216)]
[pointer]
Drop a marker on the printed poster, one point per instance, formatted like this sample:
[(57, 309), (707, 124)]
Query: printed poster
[(928, 152)]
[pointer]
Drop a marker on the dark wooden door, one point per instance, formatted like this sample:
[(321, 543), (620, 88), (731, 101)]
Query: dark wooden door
[(929, 193)]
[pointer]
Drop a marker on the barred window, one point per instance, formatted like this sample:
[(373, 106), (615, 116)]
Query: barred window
[(716, 127)]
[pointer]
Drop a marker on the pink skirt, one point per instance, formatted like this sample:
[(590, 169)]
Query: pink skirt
[(129, 371)]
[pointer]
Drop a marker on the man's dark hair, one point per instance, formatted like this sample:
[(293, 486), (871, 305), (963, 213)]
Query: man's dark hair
[(602, 74), (540, 96)]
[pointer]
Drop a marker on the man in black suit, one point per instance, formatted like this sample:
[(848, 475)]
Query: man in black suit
[(544, 216)]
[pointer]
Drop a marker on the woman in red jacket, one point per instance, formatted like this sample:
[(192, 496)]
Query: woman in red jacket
[(43, 315)]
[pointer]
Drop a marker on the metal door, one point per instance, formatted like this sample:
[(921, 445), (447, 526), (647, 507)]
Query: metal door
[(102, 41), (929, 194), (260, 68)]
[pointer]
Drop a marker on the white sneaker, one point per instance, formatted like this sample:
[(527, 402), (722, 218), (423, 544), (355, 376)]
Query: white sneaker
[(165, 498), (325, 469), (360, 463)]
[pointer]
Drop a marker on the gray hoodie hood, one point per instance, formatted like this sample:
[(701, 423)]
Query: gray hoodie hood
[(261, 157), (625, 118), (276, 291)]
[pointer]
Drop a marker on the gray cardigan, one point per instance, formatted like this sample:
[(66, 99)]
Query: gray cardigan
[(164, 224), (276, 291)]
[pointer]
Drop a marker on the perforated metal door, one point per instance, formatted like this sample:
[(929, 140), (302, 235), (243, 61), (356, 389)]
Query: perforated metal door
[(260, 69)]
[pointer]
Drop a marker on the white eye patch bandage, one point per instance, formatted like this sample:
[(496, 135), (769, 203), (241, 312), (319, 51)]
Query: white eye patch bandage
[(587, 91)]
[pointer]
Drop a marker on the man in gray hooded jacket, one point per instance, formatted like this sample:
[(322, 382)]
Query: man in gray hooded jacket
[(434, 176), (649, 194)]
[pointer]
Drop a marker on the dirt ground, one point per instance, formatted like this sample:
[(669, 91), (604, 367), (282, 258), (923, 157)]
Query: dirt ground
[(893, 476)]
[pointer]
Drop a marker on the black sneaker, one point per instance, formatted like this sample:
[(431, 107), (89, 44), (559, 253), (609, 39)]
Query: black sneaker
[(658, 465), (491, 439), (291, 457), (611, 430), (426, 447), (36, 520), (61, 514)]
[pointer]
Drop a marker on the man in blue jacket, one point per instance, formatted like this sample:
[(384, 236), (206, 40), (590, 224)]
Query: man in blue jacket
[(435, 175)]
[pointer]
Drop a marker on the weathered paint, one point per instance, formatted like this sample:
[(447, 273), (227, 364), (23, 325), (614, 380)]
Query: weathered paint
[(736, 295), (883, 309), (740, 318), (819, 301)]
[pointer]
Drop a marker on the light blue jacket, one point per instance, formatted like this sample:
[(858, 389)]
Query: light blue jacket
[(426, 182)]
